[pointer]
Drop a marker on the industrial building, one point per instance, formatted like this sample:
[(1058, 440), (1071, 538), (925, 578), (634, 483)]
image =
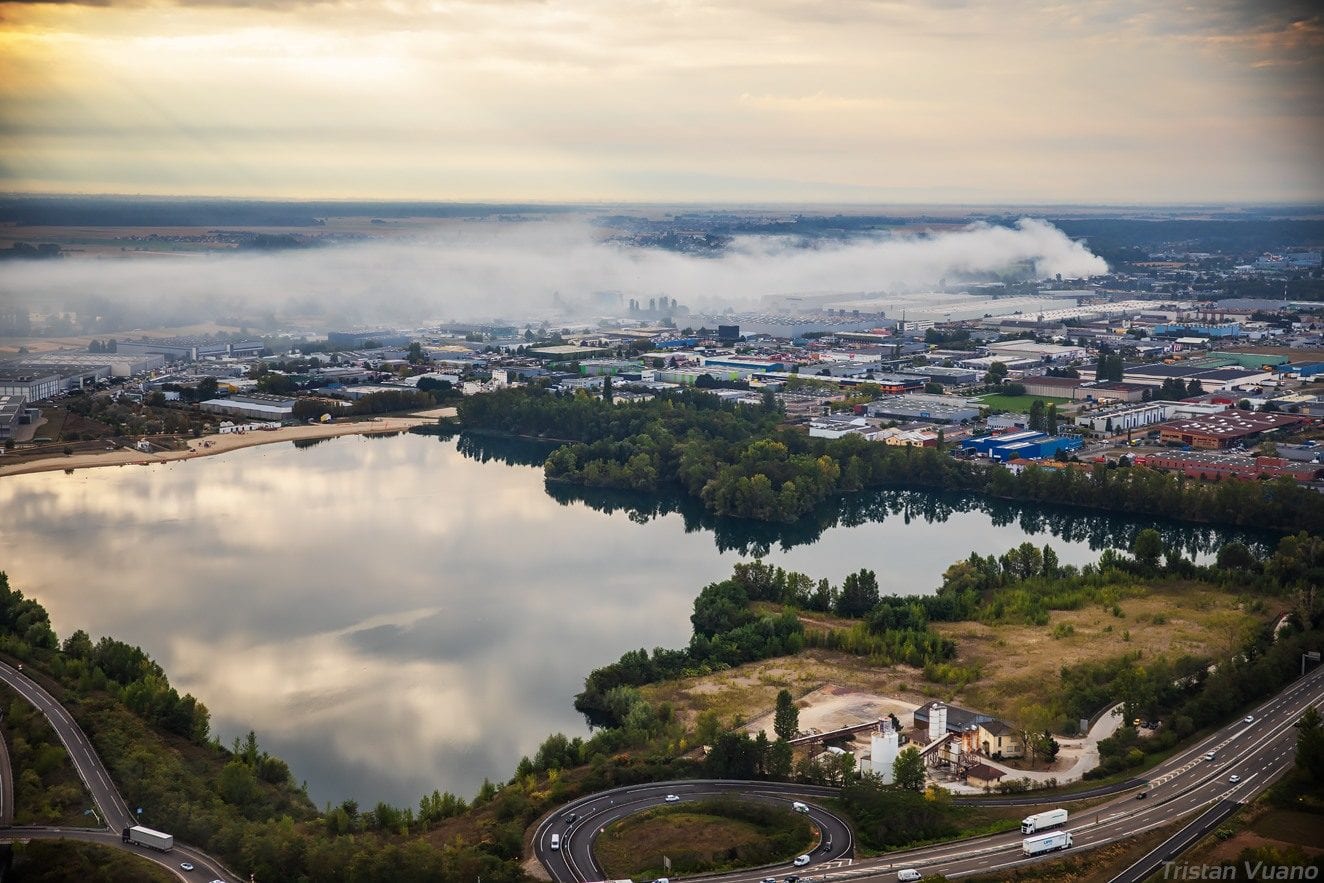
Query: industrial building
[(1200, 464), (31, 386), (253, 406), (175, 348), (1028, 445), (939, 409), (993, 737), (11, 414), (1053, 387), (1227, 429), (1123, 418), (114, 364), (1043, 352), (945, 376)]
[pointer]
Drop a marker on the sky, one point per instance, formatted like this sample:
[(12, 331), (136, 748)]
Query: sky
[(744, 101)]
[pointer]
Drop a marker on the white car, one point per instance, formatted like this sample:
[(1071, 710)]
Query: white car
[(801, 861), (1232, 780), (672, 798), (1250, 718), (186, 866)]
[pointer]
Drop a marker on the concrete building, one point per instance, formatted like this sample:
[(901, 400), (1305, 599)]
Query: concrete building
[(1201, 464), (1227, 429), (935, 408), (1123, 418), (31, 386), (192, 348), (11, 414), (1053, 387), (113, 364), (1043, 352), (252, 406)]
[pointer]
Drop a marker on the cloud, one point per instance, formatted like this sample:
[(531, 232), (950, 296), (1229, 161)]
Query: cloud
[(518, 271)]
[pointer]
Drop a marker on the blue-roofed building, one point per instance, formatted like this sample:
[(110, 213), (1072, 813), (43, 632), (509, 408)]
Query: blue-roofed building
[(1037, 449), (986, 444)]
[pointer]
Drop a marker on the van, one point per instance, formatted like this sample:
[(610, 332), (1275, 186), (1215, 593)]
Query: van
[(802, 861), (800, 807), (556, 841), (908, 874)]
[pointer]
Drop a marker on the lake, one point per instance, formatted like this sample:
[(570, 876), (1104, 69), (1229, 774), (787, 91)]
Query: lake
[(393, 615)]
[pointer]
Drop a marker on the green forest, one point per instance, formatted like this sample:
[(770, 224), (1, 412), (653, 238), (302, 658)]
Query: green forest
[(741, 461)]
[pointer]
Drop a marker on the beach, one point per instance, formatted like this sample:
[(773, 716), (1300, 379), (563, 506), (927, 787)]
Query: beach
[(209, 445)]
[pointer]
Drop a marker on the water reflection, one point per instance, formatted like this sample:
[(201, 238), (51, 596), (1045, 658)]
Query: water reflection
[(751, 538), (398, 615)]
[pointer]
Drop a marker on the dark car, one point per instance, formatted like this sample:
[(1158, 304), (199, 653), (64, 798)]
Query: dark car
[(570, 817), (1142, 795)]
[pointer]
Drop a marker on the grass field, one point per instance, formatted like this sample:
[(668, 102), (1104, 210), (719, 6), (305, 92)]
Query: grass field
[(1017, 663), (1018, 403), (702, 837)]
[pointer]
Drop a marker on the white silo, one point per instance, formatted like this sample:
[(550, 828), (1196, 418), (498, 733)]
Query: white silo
[(937, 721), (883, 747)]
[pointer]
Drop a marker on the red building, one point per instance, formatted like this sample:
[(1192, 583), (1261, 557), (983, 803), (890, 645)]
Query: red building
[(1197, 464)]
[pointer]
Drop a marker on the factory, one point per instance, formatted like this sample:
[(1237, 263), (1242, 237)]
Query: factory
[(252, 406), (938, 409), (118, 365), (1028, 445), (1226, 430)]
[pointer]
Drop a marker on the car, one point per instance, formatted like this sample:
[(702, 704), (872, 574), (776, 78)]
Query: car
[(801, 861), (800, 807), (186, 866), (1250, 718), (769, 880), (794, 878), (1209, 756), (1232, 780), (570, 817), (672, 798), (662, 880), (1142, 795), (826, 845), (906, 874)]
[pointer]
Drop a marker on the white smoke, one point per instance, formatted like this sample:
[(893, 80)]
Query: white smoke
[(481, 270)]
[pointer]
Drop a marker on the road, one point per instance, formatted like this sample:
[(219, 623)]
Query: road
[(574, 859), (1257, 752), (111, 808)]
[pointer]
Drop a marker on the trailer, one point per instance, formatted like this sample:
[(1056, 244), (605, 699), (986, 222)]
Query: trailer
[(140, 836), (1041, 821), (1047, 843)]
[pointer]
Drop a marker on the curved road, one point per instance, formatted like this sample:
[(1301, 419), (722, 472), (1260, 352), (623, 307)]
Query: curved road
[(113, 810), (1257, 752), (580, 822)]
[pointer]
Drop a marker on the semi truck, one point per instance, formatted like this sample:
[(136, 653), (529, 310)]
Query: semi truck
[(1047, 843), (1041, 821), (141, 836)]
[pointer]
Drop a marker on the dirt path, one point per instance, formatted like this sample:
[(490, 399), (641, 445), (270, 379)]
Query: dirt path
[(209, 445)]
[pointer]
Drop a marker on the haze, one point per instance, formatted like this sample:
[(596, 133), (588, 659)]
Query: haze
[(750, 100), (514, 271)]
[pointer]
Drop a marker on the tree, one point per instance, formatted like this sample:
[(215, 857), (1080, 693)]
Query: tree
[(1148, 548), (1310, 745), (786, 719), (606, 388), (415, 353), (859, 594), (997, 372), (908, 770)]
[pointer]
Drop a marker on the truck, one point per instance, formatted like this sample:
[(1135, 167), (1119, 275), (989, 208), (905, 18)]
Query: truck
[(1041, 821), (141, 836), (1047, 843)]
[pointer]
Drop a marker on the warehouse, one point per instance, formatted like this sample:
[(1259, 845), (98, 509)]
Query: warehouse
[(985, 444), (1053, 387), (1123, 418), (939, 409), (116, 364), (253, 406), (1036, 449), (945, 376), (1200, 464), (1227, 429), (31, 386), (11, 414)]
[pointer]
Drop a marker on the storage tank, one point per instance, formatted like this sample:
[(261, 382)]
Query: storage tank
[(937, 721), (883, 747)]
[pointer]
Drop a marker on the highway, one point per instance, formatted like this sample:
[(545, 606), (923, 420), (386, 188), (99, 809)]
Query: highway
[(579, 823), (1257, 752), (111, 808)]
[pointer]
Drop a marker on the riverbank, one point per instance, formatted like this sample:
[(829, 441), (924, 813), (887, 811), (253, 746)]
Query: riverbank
[(209, 445)]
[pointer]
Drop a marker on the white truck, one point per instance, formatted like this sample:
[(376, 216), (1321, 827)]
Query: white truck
[(1047, 843), (1041, 821), (147, 837)]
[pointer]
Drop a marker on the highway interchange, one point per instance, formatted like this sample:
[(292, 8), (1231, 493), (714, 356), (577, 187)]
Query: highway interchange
[(1257, 752), (110, 806)]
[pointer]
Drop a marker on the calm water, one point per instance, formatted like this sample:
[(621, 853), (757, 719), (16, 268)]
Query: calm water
[(401, 614)]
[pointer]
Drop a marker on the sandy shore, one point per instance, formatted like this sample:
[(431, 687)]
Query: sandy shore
[(209, 445)]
